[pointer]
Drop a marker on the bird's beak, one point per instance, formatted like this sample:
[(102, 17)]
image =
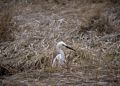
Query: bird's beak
[(69, 48)]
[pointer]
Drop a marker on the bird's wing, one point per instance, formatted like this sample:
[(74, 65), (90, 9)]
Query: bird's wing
[(55, 53), (56, 61)]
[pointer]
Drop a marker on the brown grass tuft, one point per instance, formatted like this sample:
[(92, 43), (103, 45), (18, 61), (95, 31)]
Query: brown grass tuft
[(29, 35)]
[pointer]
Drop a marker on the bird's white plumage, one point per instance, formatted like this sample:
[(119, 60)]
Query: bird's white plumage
[(59, 59), (60, 45)]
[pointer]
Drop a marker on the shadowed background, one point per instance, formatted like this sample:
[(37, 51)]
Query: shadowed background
[(29, 31)]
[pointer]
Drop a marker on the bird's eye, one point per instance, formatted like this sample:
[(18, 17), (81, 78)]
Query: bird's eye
[(63, 45)]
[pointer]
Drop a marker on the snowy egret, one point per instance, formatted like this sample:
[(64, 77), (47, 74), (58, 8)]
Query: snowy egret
[(59, 59)]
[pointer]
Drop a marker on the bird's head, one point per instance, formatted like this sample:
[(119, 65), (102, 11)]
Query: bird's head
[(61, 44)]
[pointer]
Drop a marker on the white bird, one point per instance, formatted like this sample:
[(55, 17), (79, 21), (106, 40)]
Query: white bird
[(59, 59)]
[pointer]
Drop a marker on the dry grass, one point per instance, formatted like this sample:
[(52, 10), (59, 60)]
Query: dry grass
[(30, 33), (6, 26)]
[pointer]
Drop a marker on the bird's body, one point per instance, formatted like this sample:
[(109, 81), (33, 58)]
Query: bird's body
[(59, 59)]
